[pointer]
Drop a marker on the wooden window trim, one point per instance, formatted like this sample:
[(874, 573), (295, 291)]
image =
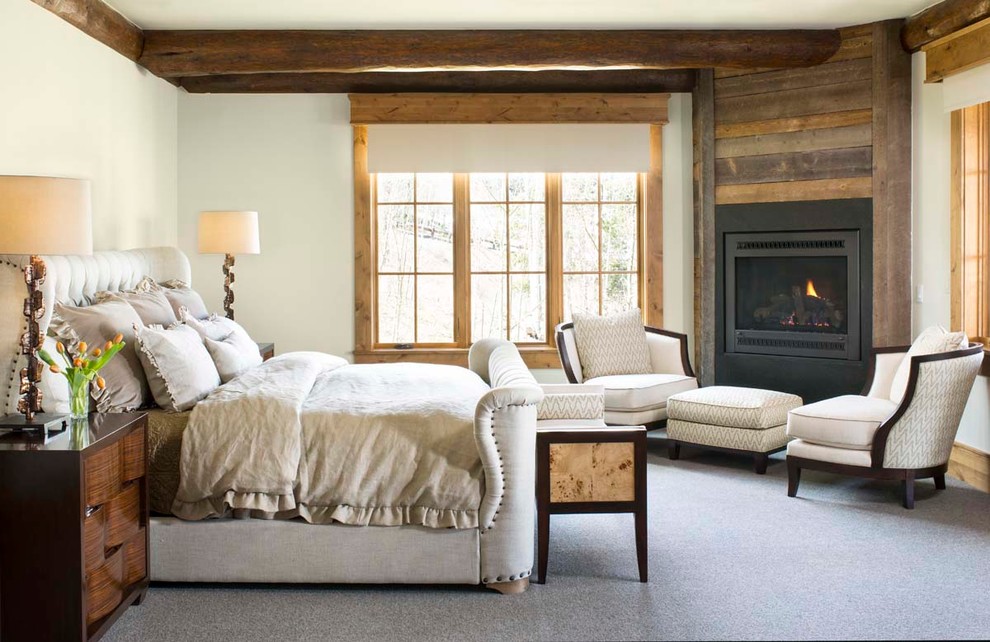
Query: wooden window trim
[(970, 222), (650, 254)]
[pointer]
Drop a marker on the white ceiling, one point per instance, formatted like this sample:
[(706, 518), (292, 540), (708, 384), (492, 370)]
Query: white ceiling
[(499, 14)]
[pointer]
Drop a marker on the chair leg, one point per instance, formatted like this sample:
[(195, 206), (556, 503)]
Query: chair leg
[(760, 461), (908, 485), (940, 481), (793, 477), (673, 450)]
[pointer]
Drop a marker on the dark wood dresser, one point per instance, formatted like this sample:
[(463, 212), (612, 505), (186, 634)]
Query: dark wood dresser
[(73, 528)]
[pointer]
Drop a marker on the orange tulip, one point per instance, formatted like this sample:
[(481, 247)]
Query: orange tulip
[(108, 345), (60, 347), (97, 352), (118, 338), (54, 369), (82, 346), (77, 362), (100, 383)]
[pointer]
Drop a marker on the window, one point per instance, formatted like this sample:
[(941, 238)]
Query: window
[(971, 221), (513, 226)]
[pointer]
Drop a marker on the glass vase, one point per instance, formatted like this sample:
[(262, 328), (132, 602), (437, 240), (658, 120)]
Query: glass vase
[(79, 400)]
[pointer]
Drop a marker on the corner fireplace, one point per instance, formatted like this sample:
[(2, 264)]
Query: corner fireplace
[(794, 296), (793, 293)]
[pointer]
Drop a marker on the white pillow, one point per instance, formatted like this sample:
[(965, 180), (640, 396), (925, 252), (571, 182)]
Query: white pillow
[(612, 345), (212, 327), (233, 355), (178, 366), (932, 340)]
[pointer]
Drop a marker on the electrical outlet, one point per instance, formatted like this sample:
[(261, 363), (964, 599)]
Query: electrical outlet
[(919, 295)]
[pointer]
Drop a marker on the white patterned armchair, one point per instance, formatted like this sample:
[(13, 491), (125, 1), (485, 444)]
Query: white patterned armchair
[(636, 399), (881, 434)]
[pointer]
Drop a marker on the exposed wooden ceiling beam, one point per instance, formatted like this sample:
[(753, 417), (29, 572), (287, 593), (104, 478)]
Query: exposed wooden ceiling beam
[(941, 20), (101, 22), (196, 53), (615, 81), (963, 50)]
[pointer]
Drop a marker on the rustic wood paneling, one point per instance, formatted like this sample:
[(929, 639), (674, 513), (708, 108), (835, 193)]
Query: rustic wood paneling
[(197, 53), (797, 141), (703, 106), (827, 74), (970, 465), (941, 20), (559, 81), (963, 50), (891, 186), (509, 108), (364, 249), (856, 47), (795, 102), (795, 166), (99, 21), (795, 124), (815, 190)]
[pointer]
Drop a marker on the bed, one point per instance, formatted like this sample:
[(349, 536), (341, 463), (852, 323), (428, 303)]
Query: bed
[(480, 530)]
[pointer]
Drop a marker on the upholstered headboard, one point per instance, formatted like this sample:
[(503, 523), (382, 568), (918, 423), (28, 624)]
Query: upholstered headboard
[(73, 280)]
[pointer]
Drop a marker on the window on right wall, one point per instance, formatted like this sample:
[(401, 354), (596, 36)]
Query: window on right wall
[(971, 221)]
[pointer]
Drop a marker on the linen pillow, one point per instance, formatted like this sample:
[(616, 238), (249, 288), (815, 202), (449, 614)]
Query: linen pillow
[(147, 300), (212, 327), (180, 295), (127, 388), (233, 355), (179, 369), (932, 340), (612, 345)]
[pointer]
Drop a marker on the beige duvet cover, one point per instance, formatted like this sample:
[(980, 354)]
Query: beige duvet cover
[(307, 434)]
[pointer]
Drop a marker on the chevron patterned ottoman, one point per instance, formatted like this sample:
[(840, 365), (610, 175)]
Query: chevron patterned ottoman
[(747, 421)]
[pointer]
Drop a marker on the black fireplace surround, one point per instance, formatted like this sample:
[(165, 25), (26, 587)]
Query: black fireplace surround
[(794, 296)]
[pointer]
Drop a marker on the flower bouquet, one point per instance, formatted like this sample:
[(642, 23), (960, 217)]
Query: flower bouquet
[(81, 369)]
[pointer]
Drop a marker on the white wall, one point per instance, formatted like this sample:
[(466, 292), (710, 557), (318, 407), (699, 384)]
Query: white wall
[(290, 158), (931, 196), (71, 106)]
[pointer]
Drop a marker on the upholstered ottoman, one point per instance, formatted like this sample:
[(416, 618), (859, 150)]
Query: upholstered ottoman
[(739, 420)]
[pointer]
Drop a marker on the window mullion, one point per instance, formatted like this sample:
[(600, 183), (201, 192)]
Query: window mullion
[(555, 255), (462, 261)]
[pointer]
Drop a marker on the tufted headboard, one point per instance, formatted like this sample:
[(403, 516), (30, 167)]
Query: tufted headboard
[(73, 280)]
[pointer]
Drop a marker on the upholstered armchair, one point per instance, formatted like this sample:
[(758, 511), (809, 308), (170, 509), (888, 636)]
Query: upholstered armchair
[(636, 399), (873, 436)]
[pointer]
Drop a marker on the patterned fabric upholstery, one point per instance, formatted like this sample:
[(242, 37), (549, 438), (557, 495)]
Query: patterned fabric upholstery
[(583, 402), (732, 406), (612, 345), (931, 340), (759, 441), (924, 434)]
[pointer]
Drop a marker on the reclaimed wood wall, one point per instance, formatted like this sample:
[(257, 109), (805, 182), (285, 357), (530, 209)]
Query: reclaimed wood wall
[(837, 130)]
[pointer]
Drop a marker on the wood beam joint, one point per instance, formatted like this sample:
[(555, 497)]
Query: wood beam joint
[(101, 22), (941, 20)]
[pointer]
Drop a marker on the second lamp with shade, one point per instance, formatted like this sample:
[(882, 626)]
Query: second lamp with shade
[(229, 233)]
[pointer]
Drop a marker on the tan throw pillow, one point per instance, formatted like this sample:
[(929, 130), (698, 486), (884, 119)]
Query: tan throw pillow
[(612, 345), (179, 369), (180, 295), (933, 340), (233, 355), (148, 301), (127, 388)]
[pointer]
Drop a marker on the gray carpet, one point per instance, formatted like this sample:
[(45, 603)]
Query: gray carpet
[(731, 557)]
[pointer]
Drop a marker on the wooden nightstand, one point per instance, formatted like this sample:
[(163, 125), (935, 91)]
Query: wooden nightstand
[(73, 528), (267, 350), (599, 469)]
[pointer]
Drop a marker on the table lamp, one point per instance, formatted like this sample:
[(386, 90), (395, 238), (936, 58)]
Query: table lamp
[(228, 233), (40, 215)]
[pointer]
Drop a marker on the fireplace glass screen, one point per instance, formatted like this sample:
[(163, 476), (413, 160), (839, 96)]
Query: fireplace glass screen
[(792, 294)]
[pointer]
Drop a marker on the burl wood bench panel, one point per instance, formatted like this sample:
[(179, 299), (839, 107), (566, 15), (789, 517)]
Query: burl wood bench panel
[(598, 472)]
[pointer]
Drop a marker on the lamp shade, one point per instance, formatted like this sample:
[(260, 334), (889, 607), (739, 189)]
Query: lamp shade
[(45, 215), (229, 233)]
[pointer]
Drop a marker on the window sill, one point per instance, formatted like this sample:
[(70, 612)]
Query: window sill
[(536, 357)]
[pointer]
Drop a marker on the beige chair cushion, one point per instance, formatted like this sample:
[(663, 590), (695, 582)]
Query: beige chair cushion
[(642, 391), (849, 421), (733, 406), (932, 340), (613, 345), (808, 450)]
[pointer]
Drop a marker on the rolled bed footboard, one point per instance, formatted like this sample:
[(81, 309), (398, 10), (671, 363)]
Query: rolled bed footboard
[(505, 431)]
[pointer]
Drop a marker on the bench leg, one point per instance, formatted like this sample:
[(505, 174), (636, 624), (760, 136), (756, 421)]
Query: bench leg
[(673, 450), (760, 461), (940, 481), (908, 485), (793, 477), (641, 545)]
